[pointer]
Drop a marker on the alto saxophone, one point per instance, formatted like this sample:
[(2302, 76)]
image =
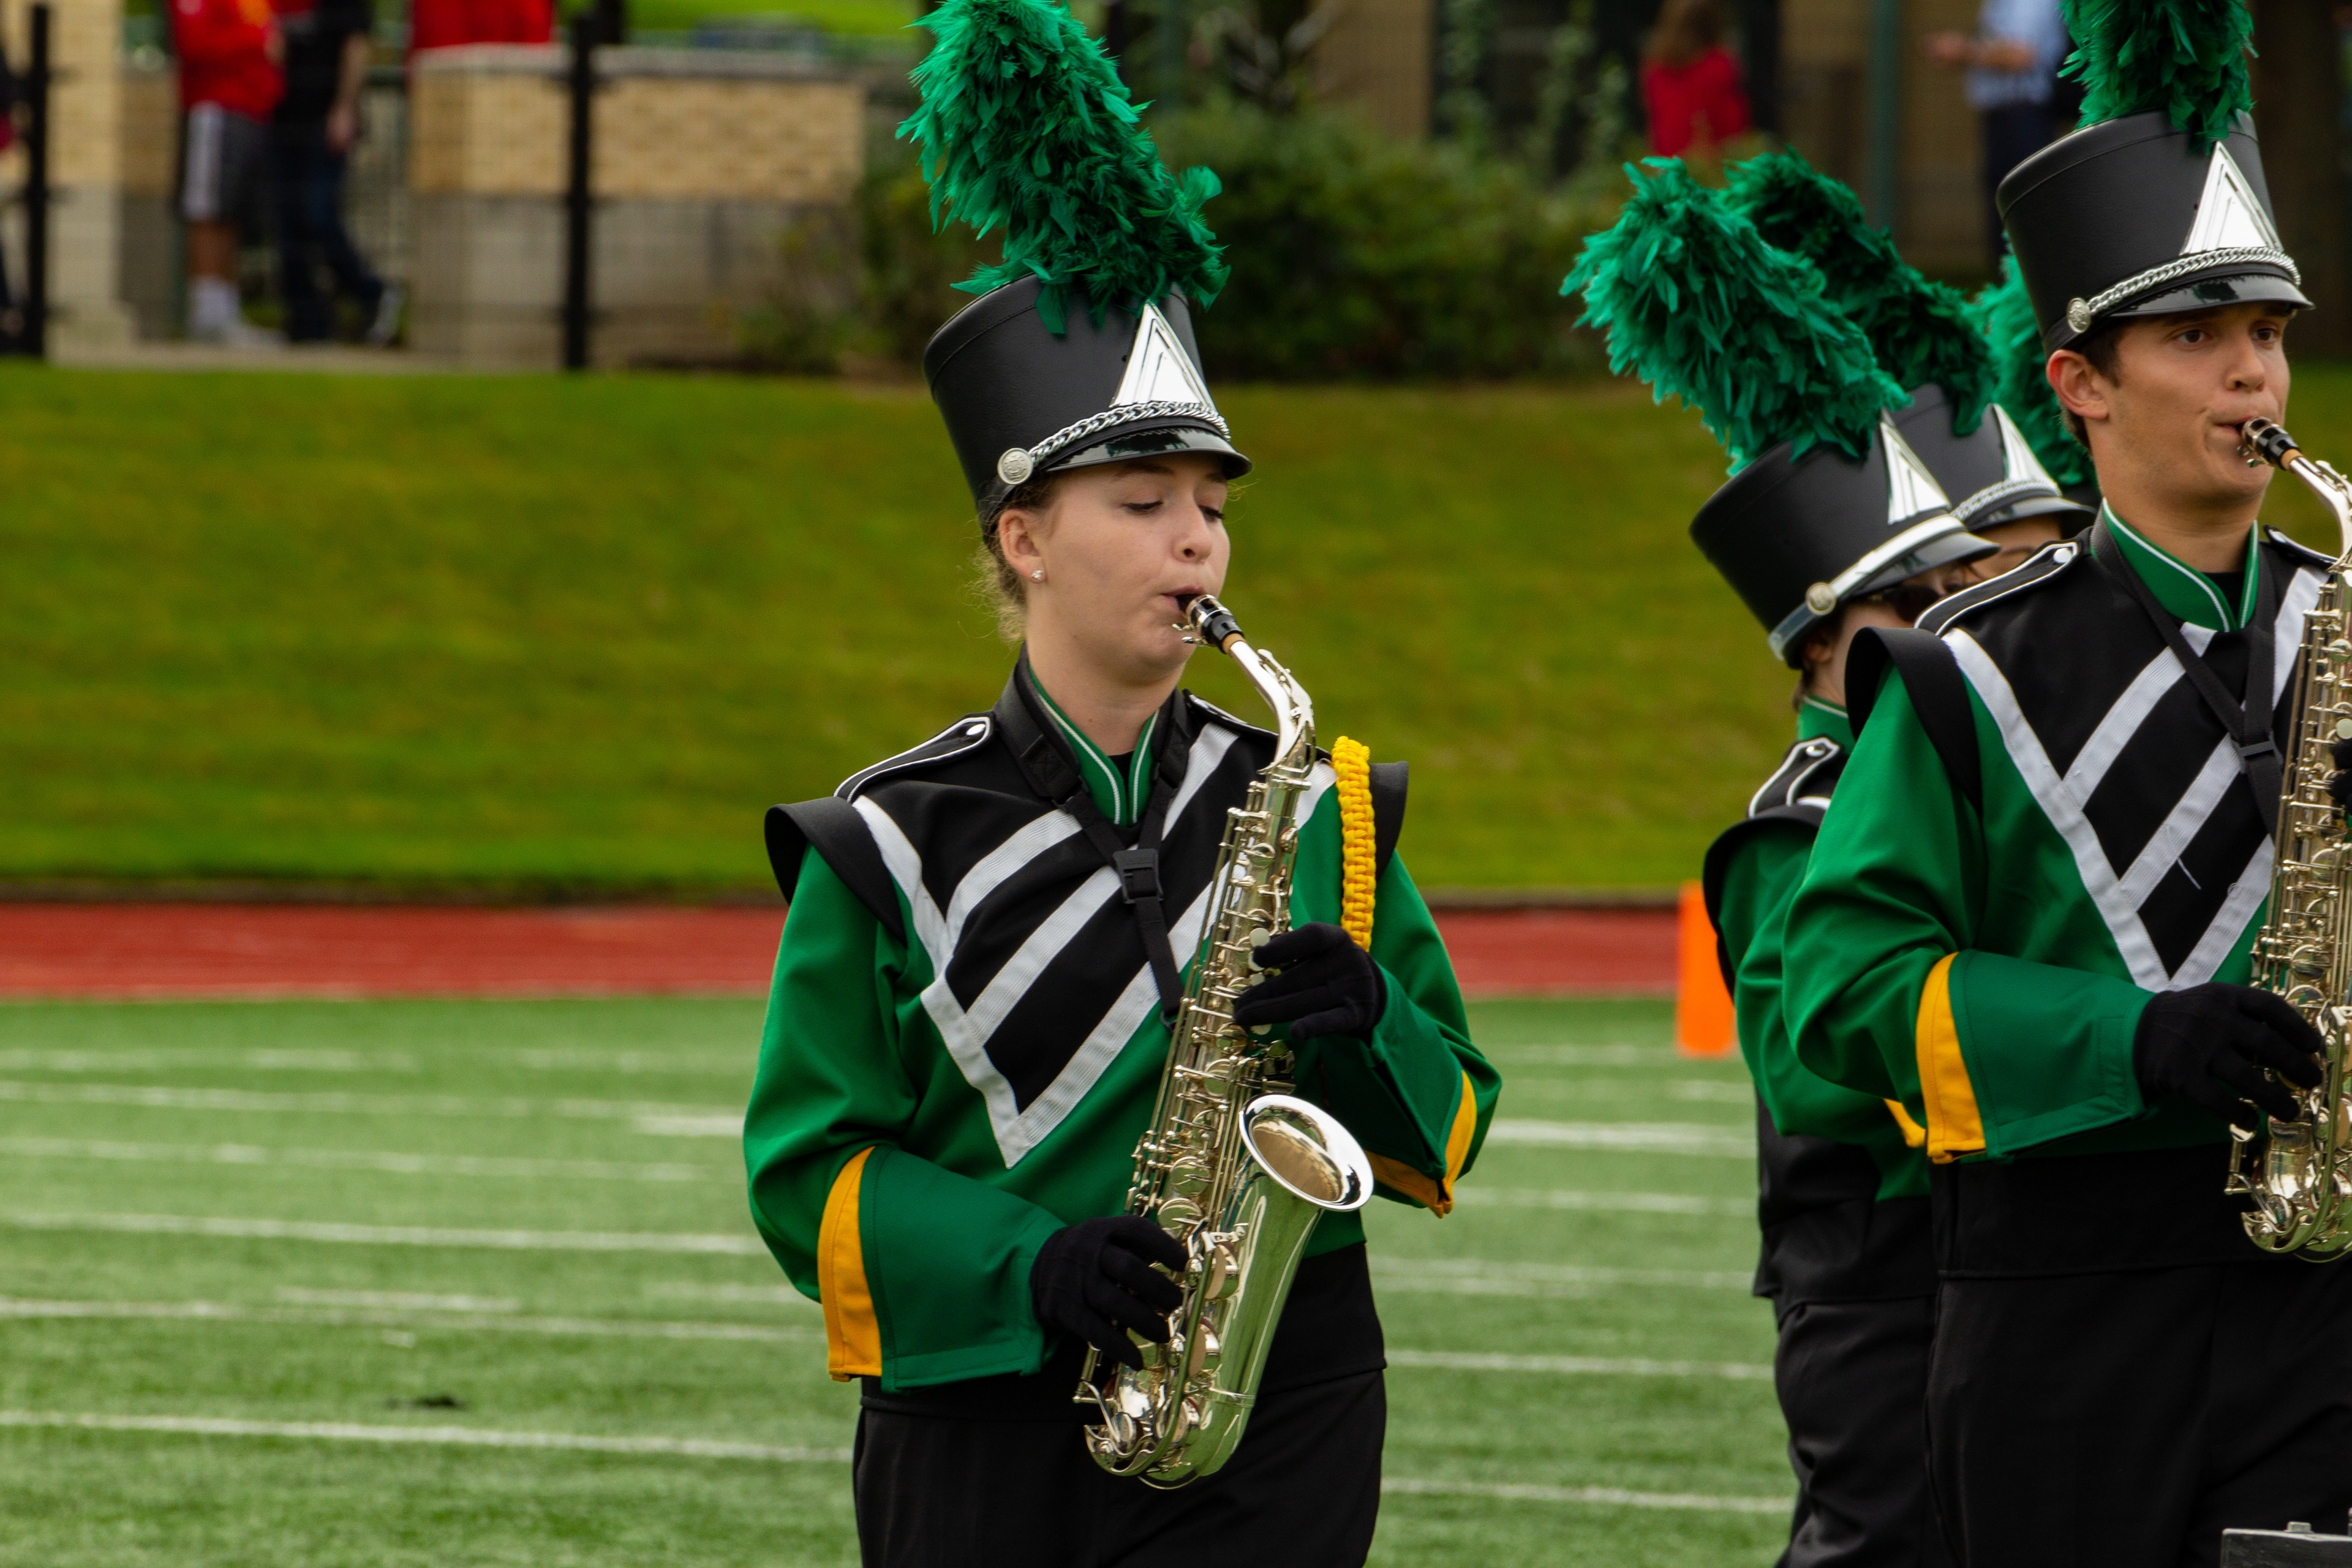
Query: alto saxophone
[(1232, 1166), (2299, 1172)]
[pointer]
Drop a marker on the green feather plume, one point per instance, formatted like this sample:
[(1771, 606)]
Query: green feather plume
[(1919, 330), (2185, 58), (1698, 305), (1024, 126), (2005, 316)]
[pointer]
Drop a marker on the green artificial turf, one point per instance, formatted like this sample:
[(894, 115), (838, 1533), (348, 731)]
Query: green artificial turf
[(534, 631), (356, 1333)]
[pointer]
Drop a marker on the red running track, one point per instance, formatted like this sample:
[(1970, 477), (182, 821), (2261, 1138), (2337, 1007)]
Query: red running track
[(156, 952)]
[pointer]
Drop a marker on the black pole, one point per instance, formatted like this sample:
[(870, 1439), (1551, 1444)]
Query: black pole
[(578, 209), (36, 332)]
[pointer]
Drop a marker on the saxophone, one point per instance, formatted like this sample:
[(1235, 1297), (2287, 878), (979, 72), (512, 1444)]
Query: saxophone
[(1232, 1166), (2299, 1173)]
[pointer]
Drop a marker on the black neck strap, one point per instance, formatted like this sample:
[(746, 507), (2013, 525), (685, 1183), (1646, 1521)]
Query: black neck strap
[(2248, 722)]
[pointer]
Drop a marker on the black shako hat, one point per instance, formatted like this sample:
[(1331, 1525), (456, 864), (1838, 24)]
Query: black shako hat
[(1021, 400), (1990, 475), (2131, 217), (1797, 538)]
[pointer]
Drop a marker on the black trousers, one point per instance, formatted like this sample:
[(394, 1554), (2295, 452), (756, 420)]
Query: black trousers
[(309, 186), (1851, 1376), (2126, 1419), (1302, 1492)]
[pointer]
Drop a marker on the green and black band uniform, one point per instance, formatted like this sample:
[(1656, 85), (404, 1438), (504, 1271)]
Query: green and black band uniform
[(959, 1063), (1842, 1204)]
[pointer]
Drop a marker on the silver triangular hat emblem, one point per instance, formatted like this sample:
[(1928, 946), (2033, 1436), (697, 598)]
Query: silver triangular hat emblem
[(2017, 458), (1912, 491), (2228, 215), (1158, 368)]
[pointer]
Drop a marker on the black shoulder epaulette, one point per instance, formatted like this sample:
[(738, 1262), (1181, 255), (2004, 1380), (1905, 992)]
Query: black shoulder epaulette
[(2306, 555), (2040, 567), (1796, 796), (1212, 711), (832, 826), (965, 734)]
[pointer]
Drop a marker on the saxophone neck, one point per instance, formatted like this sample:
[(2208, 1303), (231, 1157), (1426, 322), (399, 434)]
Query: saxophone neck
[(2261, 441), (1213, 625)]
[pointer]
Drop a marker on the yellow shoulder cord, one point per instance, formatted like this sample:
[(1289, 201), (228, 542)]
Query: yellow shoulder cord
[(1352, 761)]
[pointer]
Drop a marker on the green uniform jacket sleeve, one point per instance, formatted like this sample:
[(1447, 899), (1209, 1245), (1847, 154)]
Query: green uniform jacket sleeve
[(1759, 886), (1889, 992), (923, 1274), (1417, 1094)]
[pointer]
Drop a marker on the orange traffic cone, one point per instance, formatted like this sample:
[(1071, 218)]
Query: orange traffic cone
[(1704, 1025)]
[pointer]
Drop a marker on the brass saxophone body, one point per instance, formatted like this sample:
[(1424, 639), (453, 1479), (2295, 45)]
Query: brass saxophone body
[(2299, 1173), (1232, 1166)]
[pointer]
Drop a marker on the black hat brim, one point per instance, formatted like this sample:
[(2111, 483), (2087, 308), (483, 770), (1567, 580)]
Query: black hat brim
[(2072, 514), (1944, 550), (1153, 439), (2215, 290)]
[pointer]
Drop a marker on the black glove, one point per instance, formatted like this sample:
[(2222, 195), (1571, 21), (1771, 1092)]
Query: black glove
[(2209, 1043), (1327, 986), (2339, 783), (1094, 1280)]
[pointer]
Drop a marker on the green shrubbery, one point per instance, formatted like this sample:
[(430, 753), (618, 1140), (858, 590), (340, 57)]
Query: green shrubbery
[(1356, 256)]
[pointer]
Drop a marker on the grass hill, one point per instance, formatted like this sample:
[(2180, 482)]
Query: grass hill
[(535, 632)]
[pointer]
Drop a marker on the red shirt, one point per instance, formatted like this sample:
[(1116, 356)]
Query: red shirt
[(222, 48), (437, 24), (1699, 103)]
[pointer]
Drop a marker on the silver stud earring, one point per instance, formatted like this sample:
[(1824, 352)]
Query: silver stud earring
[(1039, 574)]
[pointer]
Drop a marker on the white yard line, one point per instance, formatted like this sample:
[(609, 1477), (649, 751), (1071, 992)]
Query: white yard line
[(199, 1058), (457, 1436), (389, 1235), (1608, 1056), (431, 1323), (1476, 1196), (361, 1160), (706, 1448), (1603, 1496), (1626, 1137), (167, 1097), (1578, 1365), (1476, 1276)]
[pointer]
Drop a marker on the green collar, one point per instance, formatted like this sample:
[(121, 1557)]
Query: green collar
[(2188, 592), (1118, 792), (1817, 720)]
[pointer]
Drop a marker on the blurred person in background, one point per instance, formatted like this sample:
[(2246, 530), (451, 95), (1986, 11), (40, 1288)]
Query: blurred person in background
[(312, 135), (443, 24), (1690, 83), (231, 54), (2013, 65), (10, 325)]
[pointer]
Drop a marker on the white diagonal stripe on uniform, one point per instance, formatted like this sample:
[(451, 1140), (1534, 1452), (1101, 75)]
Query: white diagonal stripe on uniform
[(2122, 722)]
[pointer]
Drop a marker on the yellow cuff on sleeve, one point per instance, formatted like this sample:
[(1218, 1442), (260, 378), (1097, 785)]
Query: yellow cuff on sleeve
[(853, 1335), (1954, 1126), (1436, 1196)]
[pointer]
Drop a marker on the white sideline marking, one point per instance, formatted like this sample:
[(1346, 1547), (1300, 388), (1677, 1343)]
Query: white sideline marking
[(729, 1124), (1639, 1203), (452, 1322), (1612, 1055), (357, 1160), (1606, 1497), (330, 1059), (1476, 1277), (389, 1234), (1709, 1089), (458, 1437), (748, 1295), (167, 1097), (295, 1296), (1640, 1137), (1578, 1365)]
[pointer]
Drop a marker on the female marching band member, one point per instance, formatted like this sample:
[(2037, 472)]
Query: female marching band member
[(987, 932)]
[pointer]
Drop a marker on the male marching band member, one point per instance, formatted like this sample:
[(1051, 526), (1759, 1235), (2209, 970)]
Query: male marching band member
[(1831, 523), (2028, 918), (987, 932)]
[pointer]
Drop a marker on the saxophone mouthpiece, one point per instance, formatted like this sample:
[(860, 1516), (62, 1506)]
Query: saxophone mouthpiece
[(2260, 442), (1213, 624)]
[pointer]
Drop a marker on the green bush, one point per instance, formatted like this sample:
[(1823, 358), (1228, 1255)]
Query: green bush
[(1356, 254)]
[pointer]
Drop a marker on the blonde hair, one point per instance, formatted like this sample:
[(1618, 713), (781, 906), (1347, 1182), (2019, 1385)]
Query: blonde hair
[(994, 582)]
